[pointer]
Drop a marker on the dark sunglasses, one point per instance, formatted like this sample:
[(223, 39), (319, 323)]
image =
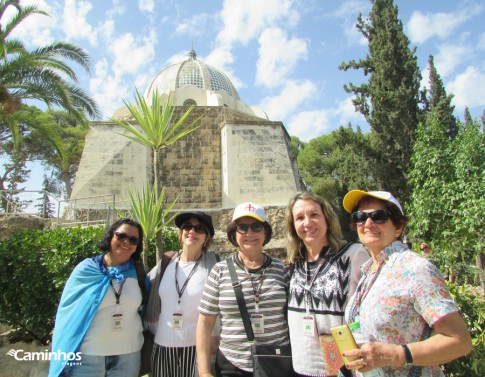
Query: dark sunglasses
[(197, 228), (125, 237), (379, 217), (244, 228)]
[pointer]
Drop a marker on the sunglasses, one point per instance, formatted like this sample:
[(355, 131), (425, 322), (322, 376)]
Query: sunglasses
[(125, 237), (379, 217), (197, 228), (244, 228)]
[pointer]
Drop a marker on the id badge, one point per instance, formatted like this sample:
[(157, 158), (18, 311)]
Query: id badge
[(257, 322), (177, 321), (117, 321), (309, 325)]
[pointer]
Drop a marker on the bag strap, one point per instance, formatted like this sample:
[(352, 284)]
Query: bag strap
[(236, 285), (141, 276)]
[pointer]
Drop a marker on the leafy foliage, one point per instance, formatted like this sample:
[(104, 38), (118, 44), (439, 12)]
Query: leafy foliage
[(41, 74), (34, 267), (472, 307), (389, 100)]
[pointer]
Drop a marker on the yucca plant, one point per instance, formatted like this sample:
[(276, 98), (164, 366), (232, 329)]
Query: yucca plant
[(156, 129), (147, 208)]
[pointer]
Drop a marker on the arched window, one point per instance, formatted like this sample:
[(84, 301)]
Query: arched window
[(190, 102)]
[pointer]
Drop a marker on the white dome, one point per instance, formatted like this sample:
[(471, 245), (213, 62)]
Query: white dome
[(196, 82)]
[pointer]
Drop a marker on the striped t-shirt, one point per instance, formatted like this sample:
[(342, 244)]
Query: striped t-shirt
[(219, 299)]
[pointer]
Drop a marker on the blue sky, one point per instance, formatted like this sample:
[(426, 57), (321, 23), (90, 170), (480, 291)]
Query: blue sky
[(282, 55)]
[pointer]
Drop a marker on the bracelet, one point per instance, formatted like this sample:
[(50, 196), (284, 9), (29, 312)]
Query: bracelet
[(408, 355)]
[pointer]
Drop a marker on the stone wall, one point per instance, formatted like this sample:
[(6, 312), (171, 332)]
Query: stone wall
[(9, 224)]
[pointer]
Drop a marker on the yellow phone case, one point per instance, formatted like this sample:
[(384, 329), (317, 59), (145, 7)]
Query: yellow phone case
[(345, 341)]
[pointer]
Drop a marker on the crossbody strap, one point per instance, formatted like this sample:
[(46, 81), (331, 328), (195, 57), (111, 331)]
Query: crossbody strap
[(236, 285)]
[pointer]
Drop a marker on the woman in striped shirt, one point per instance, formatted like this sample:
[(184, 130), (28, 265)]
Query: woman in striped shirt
[(264, 285)]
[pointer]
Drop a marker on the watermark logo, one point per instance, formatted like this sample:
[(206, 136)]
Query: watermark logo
[(68, 358)]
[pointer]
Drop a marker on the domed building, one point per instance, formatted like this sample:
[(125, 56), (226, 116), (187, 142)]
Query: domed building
[(236, 155)]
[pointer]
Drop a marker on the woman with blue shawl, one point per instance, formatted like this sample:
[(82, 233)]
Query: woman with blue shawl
[(98, 330)]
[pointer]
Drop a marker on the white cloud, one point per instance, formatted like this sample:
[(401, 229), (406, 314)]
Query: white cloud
[(35, 30), (196, 25), (347, 12), (449, 57), (244, 20), (467, 89), (146, 5), (131, 54), (291, 97), (347, 114), (107, 90), (75, 24), (481, 42), (308, 125), (422, 27), (278, 56)]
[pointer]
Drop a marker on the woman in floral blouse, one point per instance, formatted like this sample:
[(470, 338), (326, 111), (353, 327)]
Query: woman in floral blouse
[(400, 298)]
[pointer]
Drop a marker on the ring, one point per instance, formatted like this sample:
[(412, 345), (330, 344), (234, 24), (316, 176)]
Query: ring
[(364, 362)]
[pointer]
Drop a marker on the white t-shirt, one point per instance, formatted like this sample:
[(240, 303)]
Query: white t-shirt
[(101, 339), (167, 335)]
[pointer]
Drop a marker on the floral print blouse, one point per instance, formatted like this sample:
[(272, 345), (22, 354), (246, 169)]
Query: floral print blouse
[(399, 302)]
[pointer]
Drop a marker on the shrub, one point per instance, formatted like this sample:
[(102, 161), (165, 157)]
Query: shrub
[(472, 307), (34, 267)]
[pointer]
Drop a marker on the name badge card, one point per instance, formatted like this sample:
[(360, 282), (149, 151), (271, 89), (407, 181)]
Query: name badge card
[(257, 322), (177, 321), (309, 325), (117, 321)]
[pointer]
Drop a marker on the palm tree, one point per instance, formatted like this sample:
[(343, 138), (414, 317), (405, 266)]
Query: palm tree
[(41, 74), (156, 129)]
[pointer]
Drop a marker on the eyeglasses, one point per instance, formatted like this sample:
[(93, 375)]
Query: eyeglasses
[(244, 228), (197, 228), (379, 217), (125, 237)]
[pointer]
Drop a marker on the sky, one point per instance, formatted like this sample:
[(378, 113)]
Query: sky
[(281, 55)]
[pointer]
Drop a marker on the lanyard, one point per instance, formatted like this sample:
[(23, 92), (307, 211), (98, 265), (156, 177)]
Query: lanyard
[(180, 292), (363, 289), (117, 294), (256, 288), (308, 285)]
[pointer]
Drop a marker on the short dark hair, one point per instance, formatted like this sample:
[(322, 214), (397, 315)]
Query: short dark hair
[(231, 232), (105, 242)]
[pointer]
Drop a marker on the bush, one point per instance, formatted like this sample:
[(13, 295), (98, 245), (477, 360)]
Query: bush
[(34, 267), (472, 307)]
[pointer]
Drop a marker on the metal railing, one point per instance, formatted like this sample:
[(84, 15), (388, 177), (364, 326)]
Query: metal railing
[(92, 210), (26, 202)]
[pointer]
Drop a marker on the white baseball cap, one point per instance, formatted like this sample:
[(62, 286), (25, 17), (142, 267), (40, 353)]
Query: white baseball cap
[(251, 210), (353, 197)]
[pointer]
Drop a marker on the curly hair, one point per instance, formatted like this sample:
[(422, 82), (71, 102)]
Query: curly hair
[(295, 245), (231, 232), (105, 242)]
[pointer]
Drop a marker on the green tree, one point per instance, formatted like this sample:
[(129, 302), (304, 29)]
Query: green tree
[(389, 100), (440, 102), (296, 146), (156, 129), (72, 133), (41, 74)]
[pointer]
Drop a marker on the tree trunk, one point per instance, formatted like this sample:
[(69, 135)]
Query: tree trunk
[(480, 261), (157, 166)]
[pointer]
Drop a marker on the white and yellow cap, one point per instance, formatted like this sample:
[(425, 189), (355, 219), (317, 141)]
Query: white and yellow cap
[(251, 210), (353, 197)]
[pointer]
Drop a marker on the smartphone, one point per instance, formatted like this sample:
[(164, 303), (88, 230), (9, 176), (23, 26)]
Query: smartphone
[(345, 341)]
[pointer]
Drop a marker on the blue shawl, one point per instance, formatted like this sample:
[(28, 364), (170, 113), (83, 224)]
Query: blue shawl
[(82, 295)]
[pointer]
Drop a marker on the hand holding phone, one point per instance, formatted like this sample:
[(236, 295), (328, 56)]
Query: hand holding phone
[(345, 341)]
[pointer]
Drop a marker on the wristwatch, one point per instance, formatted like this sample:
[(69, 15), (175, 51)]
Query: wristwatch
[(408, 355)]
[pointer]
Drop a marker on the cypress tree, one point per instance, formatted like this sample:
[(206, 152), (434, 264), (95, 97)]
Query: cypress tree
[(440, 102), (389, 100)]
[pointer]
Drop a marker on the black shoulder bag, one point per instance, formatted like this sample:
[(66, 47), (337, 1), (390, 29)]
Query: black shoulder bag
[(269, 360)]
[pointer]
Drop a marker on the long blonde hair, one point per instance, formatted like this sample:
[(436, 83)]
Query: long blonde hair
[(295, 244)]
